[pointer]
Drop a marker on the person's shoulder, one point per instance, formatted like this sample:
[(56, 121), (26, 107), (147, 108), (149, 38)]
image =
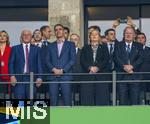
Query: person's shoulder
[(8, 47), (52, 43), (121, 42), (48, 43), (16, 46), (86, 46), (103, 44), (34, 46), (147, 47), (69, 42), (137, 44), (79, 49)]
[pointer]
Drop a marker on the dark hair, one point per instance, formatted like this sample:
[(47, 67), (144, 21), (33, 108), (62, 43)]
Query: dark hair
[(103, 36), (95, 27), (66, 28), (7, 42), (43, 28), (35, 31), (58, 25), (108, 30), (141, 33)]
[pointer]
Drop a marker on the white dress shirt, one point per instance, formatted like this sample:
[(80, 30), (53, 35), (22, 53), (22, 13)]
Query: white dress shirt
[(108, 45), (128, 44)]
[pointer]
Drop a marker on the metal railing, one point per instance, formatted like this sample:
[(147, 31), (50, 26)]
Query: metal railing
[(114, 80)]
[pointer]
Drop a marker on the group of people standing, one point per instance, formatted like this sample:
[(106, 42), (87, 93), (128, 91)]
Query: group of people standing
[(58, 59)]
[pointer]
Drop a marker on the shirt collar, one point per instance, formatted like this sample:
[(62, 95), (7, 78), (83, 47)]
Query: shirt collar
[(24, 44), (129, 43), (62, 41), (43, 40), (108, 43), (76, 49)]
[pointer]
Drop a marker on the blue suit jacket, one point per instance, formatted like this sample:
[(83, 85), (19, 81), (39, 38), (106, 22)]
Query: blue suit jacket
[(17, 61), (43, 53), (65, 61)]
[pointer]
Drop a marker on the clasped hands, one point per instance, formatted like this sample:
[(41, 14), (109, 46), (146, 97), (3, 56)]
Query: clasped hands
[(57, 72), (128, 68), (93, 69)]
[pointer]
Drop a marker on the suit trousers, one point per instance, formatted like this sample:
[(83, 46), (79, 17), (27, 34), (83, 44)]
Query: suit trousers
[(22, 91), (54, 91)]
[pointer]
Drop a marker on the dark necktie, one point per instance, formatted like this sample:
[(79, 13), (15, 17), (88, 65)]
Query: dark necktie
[(111, 49), (44, 47), (111, 56), (128, 53), (27, 59), (44, 54), (44, 43)]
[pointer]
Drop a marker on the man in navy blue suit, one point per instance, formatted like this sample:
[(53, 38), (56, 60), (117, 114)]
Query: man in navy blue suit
[(62, 57), (24, 59), (128, 60), (46, 34)]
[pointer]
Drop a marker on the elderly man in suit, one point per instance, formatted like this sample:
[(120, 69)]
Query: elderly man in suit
[(129, 59), (61, 58), (24, 59)]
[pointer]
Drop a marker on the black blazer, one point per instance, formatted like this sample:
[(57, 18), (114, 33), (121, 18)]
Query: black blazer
[(136, 56), (107, 54), (145, 67), (87, 59), (77, 66)]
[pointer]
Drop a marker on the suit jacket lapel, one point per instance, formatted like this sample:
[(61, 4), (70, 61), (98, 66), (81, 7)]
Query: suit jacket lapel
[(108, 53), (125, 51), (30, 55), (91, 53), (22, 53), (132, 50), (56, 49)]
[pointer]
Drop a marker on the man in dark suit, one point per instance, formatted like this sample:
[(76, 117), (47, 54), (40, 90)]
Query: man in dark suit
[(75, 38), (129, 59), (62, 57), (46, 34), (24, 59), (145, 67), (112, 46)]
